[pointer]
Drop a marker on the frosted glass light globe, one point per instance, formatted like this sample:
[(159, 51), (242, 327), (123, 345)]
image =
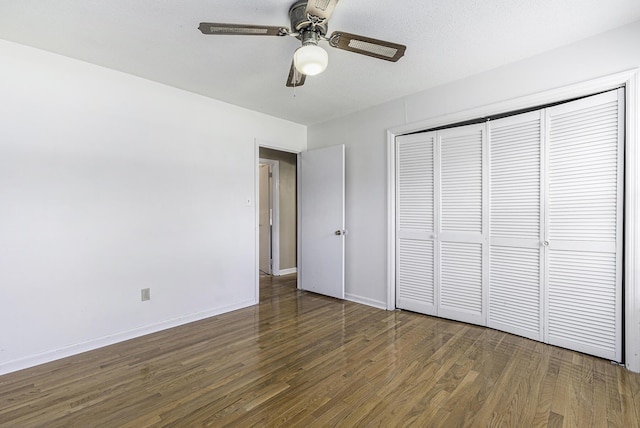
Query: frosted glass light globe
[(310, 60)]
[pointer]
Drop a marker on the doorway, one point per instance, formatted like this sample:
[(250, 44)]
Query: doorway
[(277, 212)]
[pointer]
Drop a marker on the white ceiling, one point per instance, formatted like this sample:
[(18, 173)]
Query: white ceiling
[(446, 40)]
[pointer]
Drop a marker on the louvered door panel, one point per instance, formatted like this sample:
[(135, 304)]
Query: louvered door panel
[(583, 302), (461, 179), (515, 201), (515, 293), (515, 177), (415, 290), (415, 183), (461, 223), (461, 293), (583, 175), (415, 223), (584, 234)]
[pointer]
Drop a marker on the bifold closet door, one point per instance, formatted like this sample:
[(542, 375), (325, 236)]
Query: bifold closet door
[(415, 223), (460, 251), (440, 246), (517, 224), (584, 234), (515, 279)]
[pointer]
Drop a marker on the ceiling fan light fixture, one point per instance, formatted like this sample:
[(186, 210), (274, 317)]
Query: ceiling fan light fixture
[(310, 59)]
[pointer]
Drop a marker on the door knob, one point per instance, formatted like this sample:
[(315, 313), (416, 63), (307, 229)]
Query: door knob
[(545, 243), (340, 232)]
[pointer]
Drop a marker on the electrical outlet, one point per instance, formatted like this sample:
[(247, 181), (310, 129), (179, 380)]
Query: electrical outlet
[(145, 294)]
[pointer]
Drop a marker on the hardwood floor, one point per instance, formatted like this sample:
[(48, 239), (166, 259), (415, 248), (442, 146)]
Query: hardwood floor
[(299, 359)]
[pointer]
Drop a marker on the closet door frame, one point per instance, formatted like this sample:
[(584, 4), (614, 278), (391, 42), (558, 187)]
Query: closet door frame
[(630, 80)]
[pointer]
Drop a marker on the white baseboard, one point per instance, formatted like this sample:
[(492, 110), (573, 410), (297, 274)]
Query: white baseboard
[(287, 271), (366, 301), (48, 356)]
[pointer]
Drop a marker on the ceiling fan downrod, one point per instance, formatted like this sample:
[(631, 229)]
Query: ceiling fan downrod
[(303, 21)]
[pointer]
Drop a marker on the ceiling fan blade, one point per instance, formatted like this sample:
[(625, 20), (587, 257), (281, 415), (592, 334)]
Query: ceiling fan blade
[(241, 29), (295, 77), (321, 8), (367, 46)]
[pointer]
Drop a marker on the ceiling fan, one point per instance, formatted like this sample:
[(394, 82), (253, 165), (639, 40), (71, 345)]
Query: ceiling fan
[(309, 24)]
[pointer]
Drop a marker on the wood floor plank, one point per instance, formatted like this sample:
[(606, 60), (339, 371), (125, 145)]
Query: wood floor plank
[(547, 387), (303, 360), (628, 410)]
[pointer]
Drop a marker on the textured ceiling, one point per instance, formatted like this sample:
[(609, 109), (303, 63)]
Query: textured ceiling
[(446, 40)]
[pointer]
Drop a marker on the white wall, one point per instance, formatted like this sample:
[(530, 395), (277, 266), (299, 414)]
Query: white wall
[(108, 184), (364, 135)]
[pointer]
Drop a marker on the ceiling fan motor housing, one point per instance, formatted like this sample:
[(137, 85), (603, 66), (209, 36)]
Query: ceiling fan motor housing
[(302, 23)]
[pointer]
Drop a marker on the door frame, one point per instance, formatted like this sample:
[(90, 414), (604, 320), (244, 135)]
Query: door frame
[(274, 205), (631, 275), (256, 197)]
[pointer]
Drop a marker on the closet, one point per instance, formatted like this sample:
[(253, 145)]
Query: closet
[(516, 224)]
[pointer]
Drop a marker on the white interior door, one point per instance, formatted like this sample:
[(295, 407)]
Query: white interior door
[(264, 219), (322, 229)]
